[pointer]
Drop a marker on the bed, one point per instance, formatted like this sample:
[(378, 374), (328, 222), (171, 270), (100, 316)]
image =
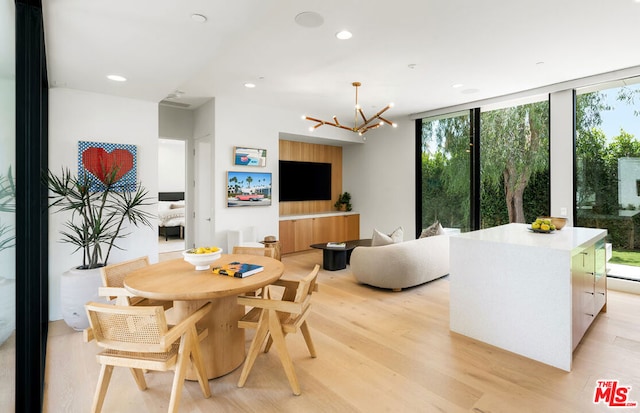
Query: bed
[(171, 214)]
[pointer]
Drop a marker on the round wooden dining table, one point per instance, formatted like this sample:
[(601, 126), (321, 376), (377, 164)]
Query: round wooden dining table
[(178, 281)]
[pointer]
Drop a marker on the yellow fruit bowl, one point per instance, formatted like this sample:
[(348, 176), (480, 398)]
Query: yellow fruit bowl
[(202, 257)]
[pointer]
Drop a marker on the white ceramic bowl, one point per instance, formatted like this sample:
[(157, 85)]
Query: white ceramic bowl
[(201, 261)]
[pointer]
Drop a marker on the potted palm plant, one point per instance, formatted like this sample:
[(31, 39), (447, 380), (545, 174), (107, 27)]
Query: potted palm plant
[(98, 217)]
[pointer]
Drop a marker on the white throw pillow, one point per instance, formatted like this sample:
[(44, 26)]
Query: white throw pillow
[(397, 235), (379, 238), (431, 230)]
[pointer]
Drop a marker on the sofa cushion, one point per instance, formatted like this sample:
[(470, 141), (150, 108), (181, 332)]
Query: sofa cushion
[(397, 235), (378, 238), (433, 229)]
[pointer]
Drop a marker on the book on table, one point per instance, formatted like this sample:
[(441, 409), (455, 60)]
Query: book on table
[(336, 244), (238, 269)]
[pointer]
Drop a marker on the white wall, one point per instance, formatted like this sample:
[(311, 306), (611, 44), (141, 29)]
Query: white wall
[(171, 165), (175, 123), (628, 175), (380, 175), (241, 124), (76, 116)]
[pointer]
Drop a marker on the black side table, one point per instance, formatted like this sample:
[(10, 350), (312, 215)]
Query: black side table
[(334, 259)]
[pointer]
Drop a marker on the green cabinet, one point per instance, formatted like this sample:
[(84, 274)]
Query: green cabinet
[(588, 286)]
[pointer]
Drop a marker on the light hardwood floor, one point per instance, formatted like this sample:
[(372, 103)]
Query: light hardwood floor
[(378, 351)]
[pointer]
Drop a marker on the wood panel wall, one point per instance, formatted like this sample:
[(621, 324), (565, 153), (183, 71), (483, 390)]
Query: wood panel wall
[(309, 152)]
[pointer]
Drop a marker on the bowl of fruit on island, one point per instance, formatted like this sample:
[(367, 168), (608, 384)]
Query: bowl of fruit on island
[(202, 257), (543, 225)]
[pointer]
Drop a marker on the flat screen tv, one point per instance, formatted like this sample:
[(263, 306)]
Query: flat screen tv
[(305, 181)]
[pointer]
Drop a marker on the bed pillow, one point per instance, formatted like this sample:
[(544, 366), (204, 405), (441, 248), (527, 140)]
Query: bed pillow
[(164, 205), (177, 204)]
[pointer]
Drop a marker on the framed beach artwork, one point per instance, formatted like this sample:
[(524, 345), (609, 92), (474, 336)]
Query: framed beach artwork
[(248, 189), (105, 164), (249, 156)]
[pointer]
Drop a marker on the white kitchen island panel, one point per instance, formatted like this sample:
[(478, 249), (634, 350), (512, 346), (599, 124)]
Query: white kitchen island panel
[(512, 288)]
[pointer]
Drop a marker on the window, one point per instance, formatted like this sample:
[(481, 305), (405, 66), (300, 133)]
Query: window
[(445, 160), (511, 161), (514, 159), (7, 217), (607, 168)]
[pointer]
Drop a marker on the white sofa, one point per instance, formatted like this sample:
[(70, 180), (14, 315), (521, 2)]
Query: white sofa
[(402, 265)]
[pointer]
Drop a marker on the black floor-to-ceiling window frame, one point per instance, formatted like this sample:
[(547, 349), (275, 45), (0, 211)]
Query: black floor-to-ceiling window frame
[(32, 300), (474, 171), (539, 205)]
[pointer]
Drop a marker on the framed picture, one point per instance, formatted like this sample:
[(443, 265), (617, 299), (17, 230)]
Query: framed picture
[(249, 156), (108, 164), (248, 189)]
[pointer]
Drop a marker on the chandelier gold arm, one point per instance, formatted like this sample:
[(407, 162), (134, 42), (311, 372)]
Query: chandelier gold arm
[(360, 129)]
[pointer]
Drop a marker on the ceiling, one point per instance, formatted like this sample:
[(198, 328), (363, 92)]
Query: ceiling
[(410, 52)]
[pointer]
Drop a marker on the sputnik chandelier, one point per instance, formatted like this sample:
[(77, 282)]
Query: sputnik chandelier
[(361, 128)]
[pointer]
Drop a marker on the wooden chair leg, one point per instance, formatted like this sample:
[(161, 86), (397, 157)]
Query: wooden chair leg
[(198, 363), (278, 339), (254, 348), (181, 371), (138, 376), (101, 389), (267, 346), (307, 338)]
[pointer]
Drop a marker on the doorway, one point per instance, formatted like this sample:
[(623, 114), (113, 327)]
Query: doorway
[(171, 191)]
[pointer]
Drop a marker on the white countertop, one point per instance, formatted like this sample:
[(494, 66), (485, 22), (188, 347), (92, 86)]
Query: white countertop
[(567, 239), (318, 215)]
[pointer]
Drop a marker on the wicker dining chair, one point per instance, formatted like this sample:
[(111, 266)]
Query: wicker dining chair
[(113, 284), (274, 319), (139, 338), (260, 251)]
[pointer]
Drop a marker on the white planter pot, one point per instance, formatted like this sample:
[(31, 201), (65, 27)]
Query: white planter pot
[(7, 308), (77, 287)]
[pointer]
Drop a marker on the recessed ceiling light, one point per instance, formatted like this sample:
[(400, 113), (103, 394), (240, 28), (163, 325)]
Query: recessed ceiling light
[(249, 85), (309, 19), (457, 85), (198, 18), (344, 35), (411, 65), (117, 78)]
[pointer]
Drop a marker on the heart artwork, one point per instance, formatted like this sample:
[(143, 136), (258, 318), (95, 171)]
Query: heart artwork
[(101, 163)]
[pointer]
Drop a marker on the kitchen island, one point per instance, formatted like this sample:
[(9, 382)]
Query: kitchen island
[(534, 294)]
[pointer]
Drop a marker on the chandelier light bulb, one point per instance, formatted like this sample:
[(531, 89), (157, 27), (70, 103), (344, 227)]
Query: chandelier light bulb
[(361, 123)]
